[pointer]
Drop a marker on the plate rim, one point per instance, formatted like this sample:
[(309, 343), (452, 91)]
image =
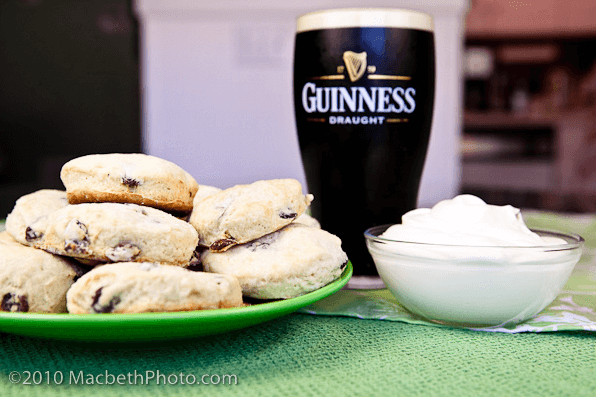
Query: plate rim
[(16, 323)]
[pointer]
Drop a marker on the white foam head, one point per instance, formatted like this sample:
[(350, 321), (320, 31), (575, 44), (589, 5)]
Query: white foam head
[(365, 17)]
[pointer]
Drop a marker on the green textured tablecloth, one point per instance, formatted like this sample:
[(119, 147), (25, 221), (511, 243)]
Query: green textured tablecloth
[(308, 355)]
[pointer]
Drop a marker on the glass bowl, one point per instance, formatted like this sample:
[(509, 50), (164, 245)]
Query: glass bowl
[(473, 285)]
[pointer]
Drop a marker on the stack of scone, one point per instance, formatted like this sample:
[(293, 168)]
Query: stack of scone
[(259, 234), (139, 226)]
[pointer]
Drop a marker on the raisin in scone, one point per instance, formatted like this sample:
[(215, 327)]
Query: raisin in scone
[(149, 287), (246, 212), (129, 178), (32, 280), (28, 220), (287, 263), (114, 232)]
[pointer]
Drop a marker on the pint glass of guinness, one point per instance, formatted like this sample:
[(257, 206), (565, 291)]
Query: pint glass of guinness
[(364, 82)]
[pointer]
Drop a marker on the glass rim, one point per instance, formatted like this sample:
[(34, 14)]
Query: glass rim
[(365, 17), (576, 241)]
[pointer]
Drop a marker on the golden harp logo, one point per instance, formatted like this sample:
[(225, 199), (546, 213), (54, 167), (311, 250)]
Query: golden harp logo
[(355, 64), (366, 104)]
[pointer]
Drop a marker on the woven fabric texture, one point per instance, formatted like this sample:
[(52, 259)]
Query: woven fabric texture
[(303, 355)]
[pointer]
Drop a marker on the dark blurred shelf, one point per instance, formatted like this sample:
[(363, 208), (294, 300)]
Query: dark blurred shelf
[(515, 175), (548, 18), (499, 119)]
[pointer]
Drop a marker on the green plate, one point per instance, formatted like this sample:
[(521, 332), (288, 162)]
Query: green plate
[(144, 327)]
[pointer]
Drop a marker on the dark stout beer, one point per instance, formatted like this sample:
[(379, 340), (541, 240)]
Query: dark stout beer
[(364, 85)]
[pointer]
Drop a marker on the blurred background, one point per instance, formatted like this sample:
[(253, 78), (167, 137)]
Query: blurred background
[(208, 86), (69, 85), (529, 118)]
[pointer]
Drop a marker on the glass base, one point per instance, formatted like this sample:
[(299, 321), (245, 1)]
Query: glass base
[(365, 282)]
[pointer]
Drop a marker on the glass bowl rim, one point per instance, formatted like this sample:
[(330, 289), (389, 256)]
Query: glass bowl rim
[(578, 241)]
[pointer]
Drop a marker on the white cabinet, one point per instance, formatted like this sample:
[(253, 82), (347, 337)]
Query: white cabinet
[(217, 88)]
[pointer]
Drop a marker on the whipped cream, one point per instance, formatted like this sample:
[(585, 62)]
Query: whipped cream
[(467, 220), (487, 267)]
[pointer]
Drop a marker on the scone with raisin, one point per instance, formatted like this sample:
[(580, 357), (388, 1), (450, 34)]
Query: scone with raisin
[(114, 232), (129, 178), (246, 212), (27, 221), (149, 287), (284, 264), (32, 280)]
